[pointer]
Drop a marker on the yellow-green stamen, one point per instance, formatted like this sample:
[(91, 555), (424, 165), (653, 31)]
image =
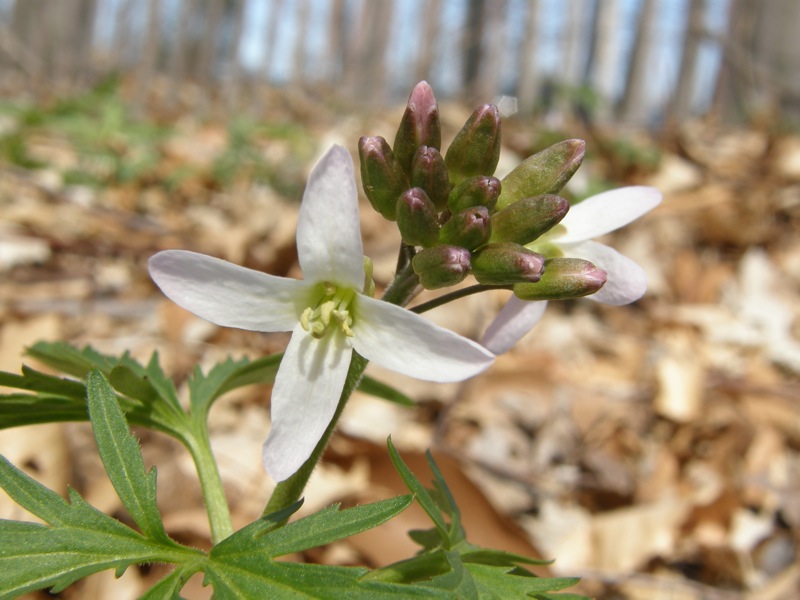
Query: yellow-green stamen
[(333, 307)]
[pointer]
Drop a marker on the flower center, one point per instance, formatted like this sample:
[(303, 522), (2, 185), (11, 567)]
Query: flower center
[(332, 309)]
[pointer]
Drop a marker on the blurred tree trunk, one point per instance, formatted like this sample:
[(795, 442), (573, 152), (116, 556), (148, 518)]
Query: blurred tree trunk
[(529, 77), (431, 18), (300, 43), (22, 41), (234, 71), (121, 51), (634, 107), (337, 47), (682, 101), (602, 68), (206, 57), (179, 51), (148, 55), (368, 76), (490, 68), (472, 48), (730, 96)]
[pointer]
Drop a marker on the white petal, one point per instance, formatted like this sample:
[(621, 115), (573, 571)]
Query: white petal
[(513, 321), (304, 398), (329, 244), (227, 294), (606, 212), (626, 281), (403, 341)]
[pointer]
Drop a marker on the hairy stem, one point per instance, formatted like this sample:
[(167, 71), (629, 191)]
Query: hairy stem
[(219, 515)]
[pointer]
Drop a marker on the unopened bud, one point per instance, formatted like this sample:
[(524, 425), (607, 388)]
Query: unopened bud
[(441, 266), (506, 264), (417, 218), (563, 278), (429, 173), (476, 148), (381, 175), (545, 172), (475, 191), (468, 228), (527, 219), (419, 126)]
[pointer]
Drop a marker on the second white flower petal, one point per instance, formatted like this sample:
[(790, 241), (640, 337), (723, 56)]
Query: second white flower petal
[(515, 319), (607, 212), (626, 282), (400, 340), (304, 398)]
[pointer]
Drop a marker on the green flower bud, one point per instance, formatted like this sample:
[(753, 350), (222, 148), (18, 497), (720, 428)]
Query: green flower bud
[(381, 175), (545, 172), (475, 191), (429, 173), (441, 266), (506, 263), (476, 148), (563, 278), (417, 218), (527, 219), (419, 126), (468, 228)]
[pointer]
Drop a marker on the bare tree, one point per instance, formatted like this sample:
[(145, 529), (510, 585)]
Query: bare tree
[(431, 17), (149, 54), (473, 47), (682, 100), (602, 68), (529, 78), (300, 42), (634, 106)]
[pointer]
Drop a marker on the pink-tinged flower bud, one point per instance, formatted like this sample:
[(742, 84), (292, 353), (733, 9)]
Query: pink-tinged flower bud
[(545, 172), (419, 126), (441, 266), (381, 175), (429, 173), (476, 148), (563, 278), (475, 191), (468, 228), (417, 218), (506, 264), (527, 219)]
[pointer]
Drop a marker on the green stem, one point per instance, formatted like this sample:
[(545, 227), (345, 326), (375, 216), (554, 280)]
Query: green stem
[(219, 515), (287, 492), (462, 293)]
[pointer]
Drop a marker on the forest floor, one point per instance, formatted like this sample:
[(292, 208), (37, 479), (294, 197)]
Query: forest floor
[(652, 449)]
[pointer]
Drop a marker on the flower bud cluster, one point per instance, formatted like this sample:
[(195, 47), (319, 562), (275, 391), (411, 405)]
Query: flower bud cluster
[(462, 220)]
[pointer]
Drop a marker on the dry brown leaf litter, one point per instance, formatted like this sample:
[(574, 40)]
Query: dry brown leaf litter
[(653, 450)]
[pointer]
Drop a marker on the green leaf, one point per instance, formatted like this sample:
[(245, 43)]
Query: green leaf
[(28, 409), (499, 558), (70, 360), (79, 540), (255, 576), (420, 493), (497, 583), (170, 586), (446, 502), (326, 526), (122, 459), (35, 381), (384, 391)]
